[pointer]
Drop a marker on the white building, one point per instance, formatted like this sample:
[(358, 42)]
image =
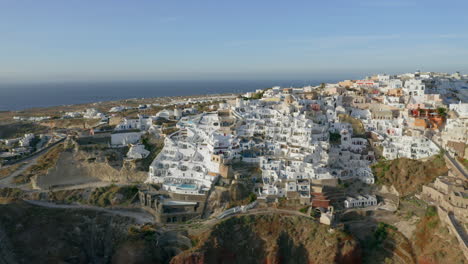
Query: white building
[(26, 140), (137, 151), (414, 88), (92, 113), (141, 123), (360, 201), (395, 84), (122, 138), (461, 109), (408, 147)]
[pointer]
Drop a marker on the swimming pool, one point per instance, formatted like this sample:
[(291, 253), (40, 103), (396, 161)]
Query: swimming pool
[(185, 186)]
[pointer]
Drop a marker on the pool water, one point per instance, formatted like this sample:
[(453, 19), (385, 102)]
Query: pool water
[(187, 186)]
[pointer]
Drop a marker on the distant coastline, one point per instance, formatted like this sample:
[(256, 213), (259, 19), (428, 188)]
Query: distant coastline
[(15, 97)]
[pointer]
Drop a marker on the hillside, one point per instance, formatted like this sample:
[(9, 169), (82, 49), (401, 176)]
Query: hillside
[(271, 239), (430, 231), (407, 175), (31, 234)]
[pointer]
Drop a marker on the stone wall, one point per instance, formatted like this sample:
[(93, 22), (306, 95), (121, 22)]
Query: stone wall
[(458, 231)]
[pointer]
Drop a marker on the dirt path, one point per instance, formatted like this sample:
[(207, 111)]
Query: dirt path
[(203, 225), (141, 217), (6, 181)]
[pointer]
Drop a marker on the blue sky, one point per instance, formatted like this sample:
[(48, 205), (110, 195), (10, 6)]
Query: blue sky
[(51, 40)]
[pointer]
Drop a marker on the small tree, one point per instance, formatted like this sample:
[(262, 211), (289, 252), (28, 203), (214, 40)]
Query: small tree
[(442, 111)]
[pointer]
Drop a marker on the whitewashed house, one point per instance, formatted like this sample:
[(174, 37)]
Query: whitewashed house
[(360, 201)]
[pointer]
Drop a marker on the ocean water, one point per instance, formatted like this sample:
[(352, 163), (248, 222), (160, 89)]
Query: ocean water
[(23, 96)]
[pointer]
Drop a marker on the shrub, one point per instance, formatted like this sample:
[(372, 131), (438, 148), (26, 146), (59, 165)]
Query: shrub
[(252, 197), (304, 210), (431, 211)]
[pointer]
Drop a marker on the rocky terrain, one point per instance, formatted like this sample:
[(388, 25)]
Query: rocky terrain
[(271, 239), (407, 175), (78, 166), (31, 234), (433, 243)]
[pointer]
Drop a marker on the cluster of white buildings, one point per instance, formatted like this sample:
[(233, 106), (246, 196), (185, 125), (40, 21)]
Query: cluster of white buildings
[(295, 148), (92, 113), (409, 147), (32, 118), (23, 141), (291, 147), (15, 147), (194, 156), (300, 136), (408, 112)]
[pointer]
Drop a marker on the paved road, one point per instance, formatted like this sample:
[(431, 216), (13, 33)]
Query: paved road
[(141, 217), (254, 211), (6, 181), (454, 163), (35, 154), (29, 161), (457, 165)]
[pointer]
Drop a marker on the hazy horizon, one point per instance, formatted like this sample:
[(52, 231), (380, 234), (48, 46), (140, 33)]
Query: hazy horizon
[(170, 40), (20, 96)]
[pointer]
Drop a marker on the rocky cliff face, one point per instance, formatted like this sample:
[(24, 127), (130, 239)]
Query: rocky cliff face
[(31, 234), (271, 239)]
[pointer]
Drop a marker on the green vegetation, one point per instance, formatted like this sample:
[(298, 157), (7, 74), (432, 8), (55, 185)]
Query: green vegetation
[(431, 211), (335, 138), (464, 162), (380, 234), (154, 146), (252, 197), (442, 111), (304, 210)]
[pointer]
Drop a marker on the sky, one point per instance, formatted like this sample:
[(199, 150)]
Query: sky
[(57, 40)]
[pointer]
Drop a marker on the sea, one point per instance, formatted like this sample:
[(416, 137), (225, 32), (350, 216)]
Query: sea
[(17, 96)]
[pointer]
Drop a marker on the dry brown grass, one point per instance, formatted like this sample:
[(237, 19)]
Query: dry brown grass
[(433, 243), (4, 172), (18, 129), (408, 175), (464, 162), (45, 162), (358, 127)]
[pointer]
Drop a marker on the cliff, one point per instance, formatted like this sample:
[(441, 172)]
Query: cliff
[(31, 234), (271, 239)]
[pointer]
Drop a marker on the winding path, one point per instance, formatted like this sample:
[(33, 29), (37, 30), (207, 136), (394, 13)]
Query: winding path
[(140, 216)]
